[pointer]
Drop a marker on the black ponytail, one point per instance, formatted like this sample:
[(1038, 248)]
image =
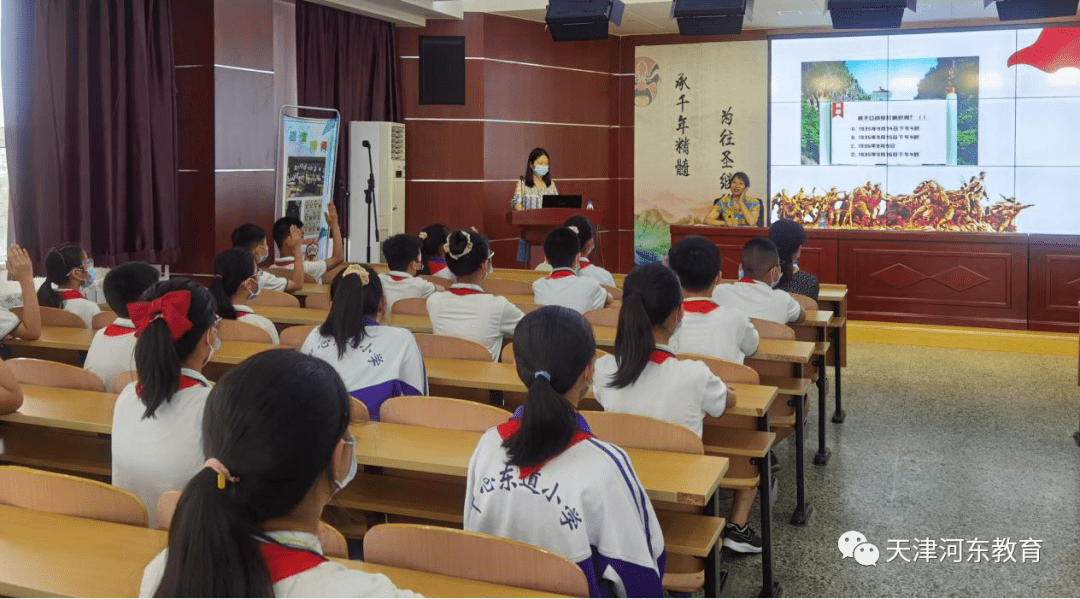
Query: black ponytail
[(558, 343), (434, 236), (59, 263), (468, 259), (352, 303), (650, 294), (158, 359), (789, 236), (231, 268), (274, 422)]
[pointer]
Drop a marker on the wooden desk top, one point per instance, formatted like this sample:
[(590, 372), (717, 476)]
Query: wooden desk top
[(234, 352), (312, 289), (815, 318), (282, 315), (675, 477), (779, 350), (58, 338), (63, 556), (69, 409)]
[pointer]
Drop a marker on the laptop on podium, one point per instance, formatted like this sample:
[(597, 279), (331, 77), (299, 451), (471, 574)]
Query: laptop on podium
[(561, 201)]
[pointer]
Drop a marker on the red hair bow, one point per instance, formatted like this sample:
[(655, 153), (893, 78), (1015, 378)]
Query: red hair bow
[(172, 307)]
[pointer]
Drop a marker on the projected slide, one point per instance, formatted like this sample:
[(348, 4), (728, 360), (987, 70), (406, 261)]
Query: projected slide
[(955, 131)]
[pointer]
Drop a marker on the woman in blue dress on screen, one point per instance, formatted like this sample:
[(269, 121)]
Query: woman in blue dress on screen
[(737, 209), (536, 183)]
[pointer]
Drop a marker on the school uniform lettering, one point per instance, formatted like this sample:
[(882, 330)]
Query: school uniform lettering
[(563, 287), (74, 302), (678, 391), (399, 285), (758, 300), (112, 351), (466, 312), (709, 329), (314, 268), (153, 455), (247, 315), (596, 273), (386, 363), (585, 504)]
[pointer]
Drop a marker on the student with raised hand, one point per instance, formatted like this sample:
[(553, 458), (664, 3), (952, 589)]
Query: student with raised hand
[(67, 270), (21, 269), (564, 287), (253, 239), (113, 349), (587, 237), (405, 258), (157, 421), (755, 293), (376, 361), (465, 310), (542, 478), (288, 234), (707, 328), (11, 396), (277, 448), (236, 282), (433, 251)]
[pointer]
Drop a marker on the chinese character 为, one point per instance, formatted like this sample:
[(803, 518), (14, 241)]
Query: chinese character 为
[(927, 550), (727, 161), (682, 168), (954, 548), (682, 126), (506, 480), (1031, 550), (727, 116), (1002, 550), (897, 547), (725, 181), (570, 518), (977, 551), (682, 103), (681, 82), (375, 359), (682, 145), (727, 138)]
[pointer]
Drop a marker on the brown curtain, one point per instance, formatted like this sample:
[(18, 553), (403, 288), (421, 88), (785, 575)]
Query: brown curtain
[(90, 111), (348, 62)]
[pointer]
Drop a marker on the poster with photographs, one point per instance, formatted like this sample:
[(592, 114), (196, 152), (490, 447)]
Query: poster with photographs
[(307, 176)]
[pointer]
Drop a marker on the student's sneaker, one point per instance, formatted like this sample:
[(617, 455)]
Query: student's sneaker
[(774, 491), (741, 539)]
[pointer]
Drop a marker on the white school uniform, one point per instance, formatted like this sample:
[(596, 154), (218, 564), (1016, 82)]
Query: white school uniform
[(272, 282), (153, 455), (297, 569), (563, 287), (397, 285), (314, 268), (585, 504), (8, 322), (112, 351), (386, 363), (247, 315), (596, 273), (437, 267), (757, 299), (679, 391), (710, 329), (75, 302), (467, 312)]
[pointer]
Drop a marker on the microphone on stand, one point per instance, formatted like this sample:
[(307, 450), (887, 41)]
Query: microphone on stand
[(369, 198)]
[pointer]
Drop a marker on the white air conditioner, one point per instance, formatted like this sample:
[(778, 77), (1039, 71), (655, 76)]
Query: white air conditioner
[(388, 163)]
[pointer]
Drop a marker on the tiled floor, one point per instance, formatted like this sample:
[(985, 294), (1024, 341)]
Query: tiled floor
[(938, 444)]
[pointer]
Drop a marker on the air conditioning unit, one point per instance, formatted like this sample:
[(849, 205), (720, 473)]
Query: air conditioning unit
[(710, 17), (388, 163), (868, 14)]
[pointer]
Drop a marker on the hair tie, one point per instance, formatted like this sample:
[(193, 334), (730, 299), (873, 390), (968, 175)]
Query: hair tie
[(171, 307), (422, 235), (223, 473), (360, 271), (542, 374), (574, 229), (468, 246), (217, 277)]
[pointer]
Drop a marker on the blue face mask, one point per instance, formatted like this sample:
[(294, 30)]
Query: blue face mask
[(541, 170), (91, 273), (258, 290)]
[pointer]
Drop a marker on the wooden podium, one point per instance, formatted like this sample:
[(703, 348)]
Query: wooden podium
[(534, 225)]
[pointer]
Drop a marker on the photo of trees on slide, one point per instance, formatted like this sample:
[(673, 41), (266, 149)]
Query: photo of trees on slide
[(892, 80)]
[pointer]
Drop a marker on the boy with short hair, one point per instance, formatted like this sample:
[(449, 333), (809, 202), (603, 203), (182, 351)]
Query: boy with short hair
[(402, 254), (586, 237), (564, 287), (288, 231), (253, 239), (708, 328), (113, 349), (754, 294)]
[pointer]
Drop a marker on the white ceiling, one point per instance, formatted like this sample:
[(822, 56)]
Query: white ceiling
[(409, 13), (653, 16)]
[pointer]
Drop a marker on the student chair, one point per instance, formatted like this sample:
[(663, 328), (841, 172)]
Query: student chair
[(318, 301), (269, 297), (768, 329), (443, 346), (807, 303), (294, 337), (443, 282), (442, 413), (69, 495), (782, 416), (604, 317), (416, 306), (286, 273), (614, 291), (358, 411), (55, 317), (234, 330), (526, 308), (123, 379), (507, 287), (102, 319), (32, 371), (333, 542), (474, 556)]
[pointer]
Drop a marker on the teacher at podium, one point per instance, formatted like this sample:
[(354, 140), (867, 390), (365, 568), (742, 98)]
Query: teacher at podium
[(536, 183)]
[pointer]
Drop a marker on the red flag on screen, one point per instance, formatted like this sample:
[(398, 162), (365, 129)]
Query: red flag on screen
[(1055, 49)]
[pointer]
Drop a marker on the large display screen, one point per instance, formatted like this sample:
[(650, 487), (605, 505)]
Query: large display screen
[(954, 131)]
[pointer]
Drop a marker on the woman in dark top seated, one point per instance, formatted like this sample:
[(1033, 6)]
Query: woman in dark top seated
[(789, 237)]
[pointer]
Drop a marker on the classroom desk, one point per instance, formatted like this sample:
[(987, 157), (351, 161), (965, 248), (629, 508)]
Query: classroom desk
[(65, 338), (63, 556), (292, 316), (69, 409), (312, 289)]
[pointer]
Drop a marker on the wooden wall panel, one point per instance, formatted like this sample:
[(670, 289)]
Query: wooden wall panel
[(195, 117), (576, 152), (242, 197), (513, 91), (1054, 282), (473, 108), (245, 120), (444, 150), (507, 38), (456, 205), (197, 226), (243, 33), (192, 20)]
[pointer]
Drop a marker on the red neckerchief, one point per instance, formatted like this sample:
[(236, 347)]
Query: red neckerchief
[(659, 356), (747, 280), (561, 274), (464, 291), (285, 262), (396, 278), (510, 428), (699, 306), (435, 266), (584, 262), (186, 382), (283, 562), (70, 294), (115, 330)]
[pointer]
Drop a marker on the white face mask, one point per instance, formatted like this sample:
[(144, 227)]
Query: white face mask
[(258, 290), (214, 347), (351, 474)]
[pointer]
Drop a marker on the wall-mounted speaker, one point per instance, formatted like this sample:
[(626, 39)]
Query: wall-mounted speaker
[(1016, 10), (442, 69), (868, 14), (710, 17)]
